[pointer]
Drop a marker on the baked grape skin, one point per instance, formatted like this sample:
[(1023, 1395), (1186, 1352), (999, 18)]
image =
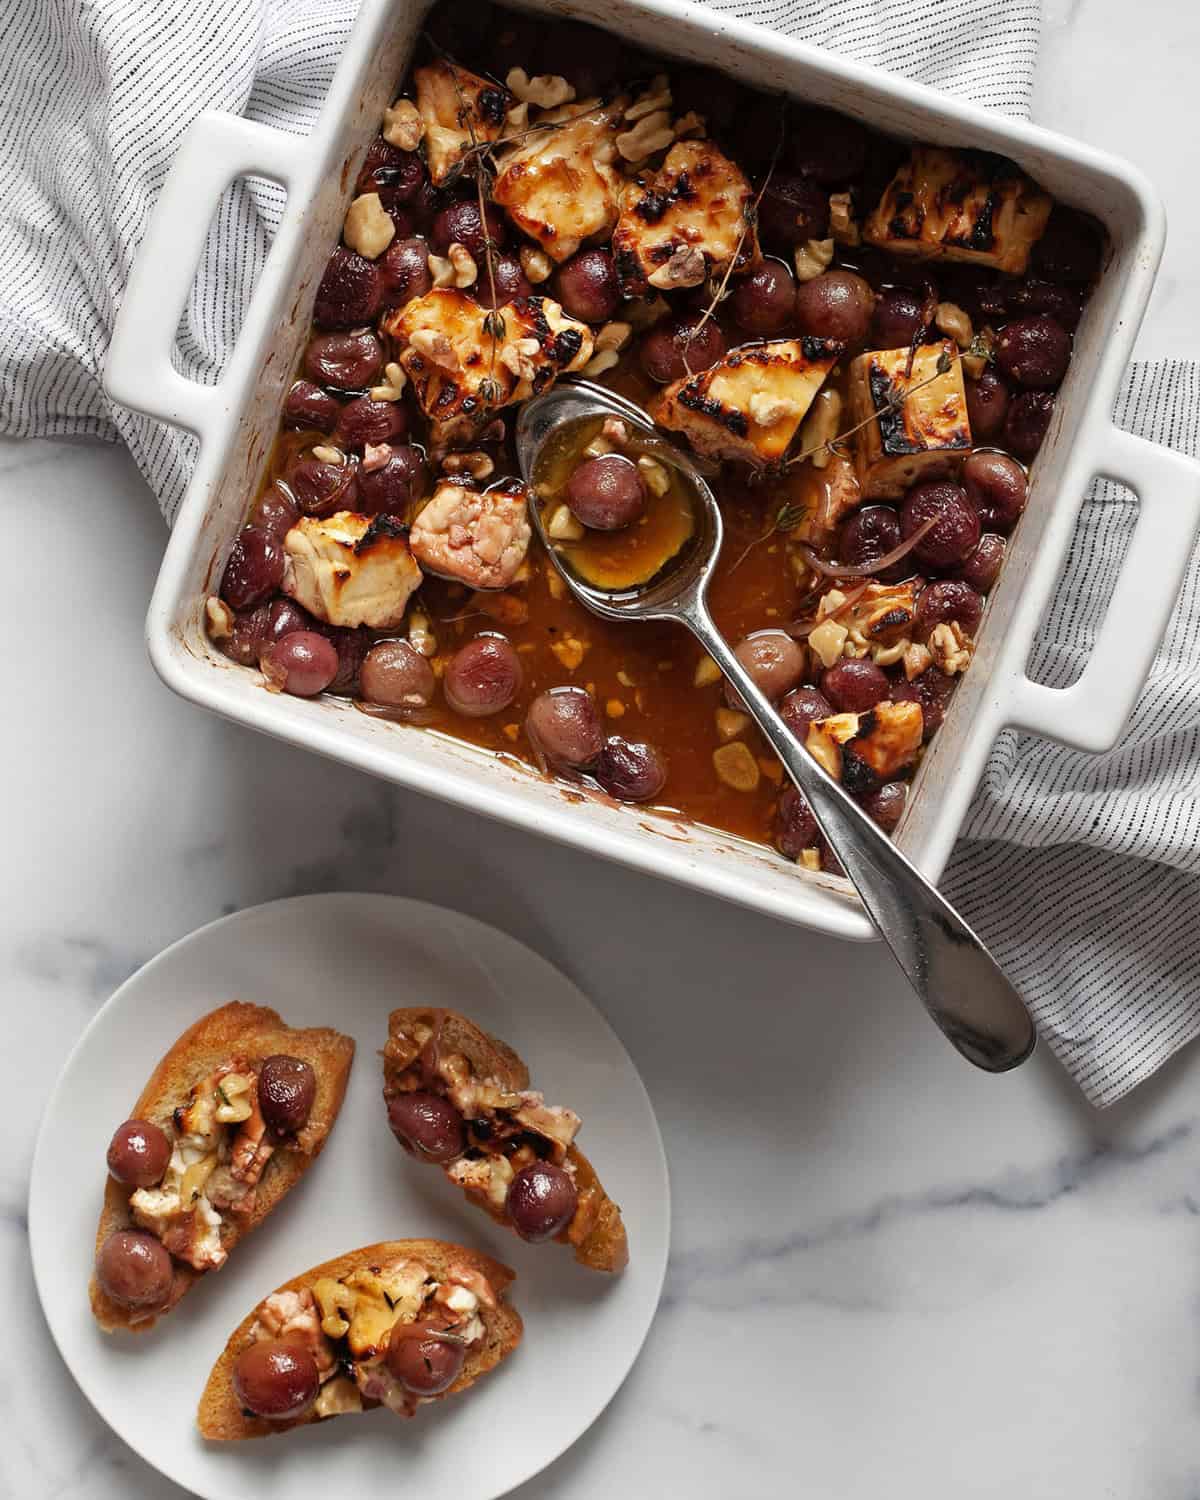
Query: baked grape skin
[(396, 675), (793, 209), (955, 532), (854, 687), (563, 725), (774, 661), (541, 1201), (899, 318), (868, 534), (482, 677), (885, 804), (996, 486), (665, 348), (349, 361), (631, 771), (427, 1125), (764, 302), (587, 286), (982, 568), (276, 1379), (795, 826), (948, 599), (404, 271), (134, 1269), (302, 664), (804, 706), (987, 405), (422, 1361), (287, 1091), (138, 1153), (1033, 352), (1027, 423), (350, 292), (308, 406), (835, 305), (606, 493), (254, 569)]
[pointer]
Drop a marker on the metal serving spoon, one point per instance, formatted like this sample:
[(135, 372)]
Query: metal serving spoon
[(956, 978)]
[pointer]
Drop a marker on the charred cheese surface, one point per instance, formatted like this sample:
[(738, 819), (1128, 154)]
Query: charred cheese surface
[(913, 437), (447, 351), (884, 740), (560, 186), (960, 205), (458, 109), (686, 223), (477, 539), (350, 569), (750, 404)]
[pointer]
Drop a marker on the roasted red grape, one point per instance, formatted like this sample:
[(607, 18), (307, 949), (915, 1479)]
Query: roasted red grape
[(955, 531), (996, 486), (765, 300), (587, 286), (606, 493), (835, 305), (632, 772), (483, 677), (563, 725), (350, 292), (276, 1379), (254, 569), (138, 1153)]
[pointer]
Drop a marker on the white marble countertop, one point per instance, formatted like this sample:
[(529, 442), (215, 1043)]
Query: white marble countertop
[(891, 1275)]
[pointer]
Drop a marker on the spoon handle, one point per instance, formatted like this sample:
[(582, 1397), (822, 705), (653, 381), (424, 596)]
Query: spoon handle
[(956, 978)]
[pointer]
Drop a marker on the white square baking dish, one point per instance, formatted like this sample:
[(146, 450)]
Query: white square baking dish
[(236, 420)]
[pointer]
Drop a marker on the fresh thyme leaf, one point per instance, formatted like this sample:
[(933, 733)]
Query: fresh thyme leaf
[(788, 517), (943, 363)]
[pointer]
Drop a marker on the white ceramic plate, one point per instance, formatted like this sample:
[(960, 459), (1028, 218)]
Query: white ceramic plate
[(347, 960)]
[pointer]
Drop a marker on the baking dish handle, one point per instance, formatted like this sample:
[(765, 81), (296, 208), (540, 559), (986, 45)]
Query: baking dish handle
[(1092, 712), (138, 372)]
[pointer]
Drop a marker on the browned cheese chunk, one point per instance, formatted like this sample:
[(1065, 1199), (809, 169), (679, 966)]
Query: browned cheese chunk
[(479, 539), (560, 186), (960, 205), (458, 109), (926, 435), (749, 406), (885, 739), (686, 223), (447, 351)]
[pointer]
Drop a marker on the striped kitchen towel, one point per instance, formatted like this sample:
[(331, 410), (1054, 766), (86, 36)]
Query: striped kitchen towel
[(96, 99)]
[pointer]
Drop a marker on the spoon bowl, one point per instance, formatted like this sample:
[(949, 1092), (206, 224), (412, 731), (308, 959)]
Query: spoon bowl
[(946, 963)]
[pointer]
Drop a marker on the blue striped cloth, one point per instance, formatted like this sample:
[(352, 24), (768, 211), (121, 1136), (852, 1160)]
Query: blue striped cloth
[(1078, 869)]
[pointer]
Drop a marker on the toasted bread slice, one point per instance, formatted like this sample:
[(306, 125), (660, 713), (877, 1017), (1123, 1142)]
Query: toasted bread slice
[(221, 1416), (250, 1033), (443, 1052)]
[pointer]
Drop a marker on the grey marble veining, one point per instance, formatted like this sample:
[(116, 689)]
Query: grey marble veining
[(890, 1275)]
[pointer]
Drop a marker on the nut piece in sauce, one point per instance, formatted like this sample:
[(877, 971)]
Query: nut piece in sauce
[(686, 223), (921, 430), (560, 186), (750, 404), (477, 538), (960, 205), (449, 98), (350, 569)]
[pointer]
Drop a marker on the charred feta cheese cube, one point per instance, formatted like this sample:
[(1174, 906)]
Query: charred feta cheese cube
[(479, 539), (685, 223), (856, 748), (884, 613), (560, 186), (465, 362), (888, 738), (350, 569), (750, 404), (960, 205), (920, 429), (458, 109)]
